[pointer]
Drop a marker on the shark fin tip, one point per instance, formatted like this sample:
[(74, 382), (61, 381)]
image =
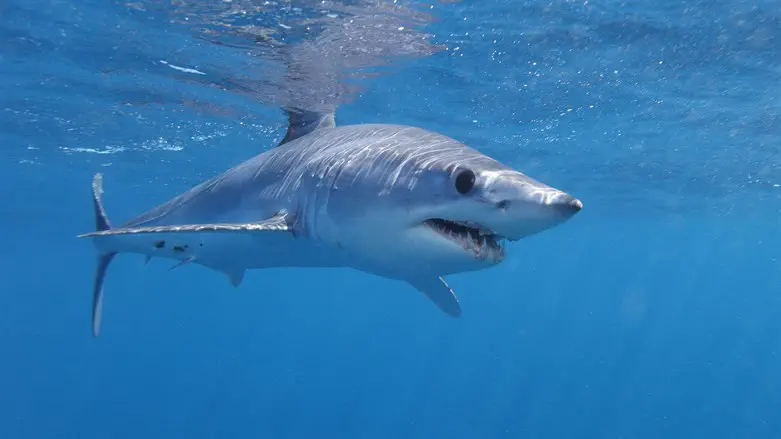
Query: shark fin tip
[(101, 220), (236, 278), (302, 122), (97, 291), (439, 292)]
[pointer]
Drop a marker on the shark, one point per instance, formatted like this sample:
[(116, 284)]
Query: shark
[(396, 201)]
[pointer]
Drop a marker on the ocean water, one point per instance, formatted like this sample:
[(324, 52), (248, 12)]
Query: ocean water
[(654, 313)]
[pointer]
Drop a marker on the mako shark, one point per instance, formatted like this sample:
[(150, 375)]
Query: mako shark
[(396, 201)]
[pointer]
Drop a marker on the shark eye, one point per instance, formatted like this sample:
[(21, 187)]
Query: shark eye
[(465, 181)]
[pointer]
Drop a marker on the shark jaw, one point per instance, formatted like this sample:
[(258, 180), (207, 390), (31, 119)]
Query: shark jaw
[(476, 240)]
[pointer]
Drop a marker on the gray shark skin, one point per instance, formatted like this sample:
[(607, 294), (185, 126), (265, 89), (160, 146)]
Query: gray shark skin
[(396, 201)]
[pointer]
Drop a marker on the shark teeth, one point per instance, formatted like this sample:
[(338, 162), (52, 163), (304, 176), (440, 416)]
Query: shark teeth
[(481, 242)]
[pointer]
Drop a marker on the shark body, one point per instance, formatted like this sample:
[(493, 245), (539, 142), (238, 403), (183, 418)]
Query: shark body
[(395, 201)]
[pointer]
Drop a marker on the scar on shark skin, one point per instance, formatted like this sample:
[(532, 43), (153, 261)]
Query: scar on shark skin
[(180, 248), (159, 244)]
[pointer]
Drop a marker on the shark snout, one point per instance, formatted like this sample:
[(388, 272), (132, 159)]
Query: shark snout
[(534, 212), (566, 205)]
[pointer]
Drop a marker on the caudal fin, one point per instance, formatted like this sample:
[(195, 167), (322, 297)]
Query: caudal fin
[(97, 291), (104, 259)]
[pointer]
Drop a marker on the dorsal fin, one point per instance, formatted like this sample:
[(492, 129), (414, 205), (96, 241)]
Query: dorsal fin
[(302, 122)]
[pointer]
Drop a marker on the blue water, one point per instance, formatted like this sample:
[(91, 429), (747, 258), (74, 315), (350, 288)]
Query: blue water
[(654, 313)]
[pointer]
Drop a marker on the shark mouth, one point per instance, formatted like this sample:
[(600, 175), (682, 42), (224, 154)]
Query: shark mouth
[(480, 241)]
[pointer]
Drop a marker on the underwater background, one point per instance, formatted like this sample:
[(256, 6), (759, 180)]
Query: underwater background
[(654, 313)]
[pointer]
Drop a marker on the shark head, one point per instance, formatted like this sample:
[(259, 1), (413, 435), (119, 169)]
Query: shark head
[(474, 208), (429, 203)]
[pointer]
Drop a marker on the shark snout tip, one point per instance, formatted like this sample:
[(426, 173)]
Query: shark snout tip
[(567, 205)]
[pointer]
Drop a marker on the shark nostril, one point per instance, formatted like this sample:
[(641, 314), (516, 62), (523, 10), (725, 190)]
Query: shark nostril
[(503, 204)]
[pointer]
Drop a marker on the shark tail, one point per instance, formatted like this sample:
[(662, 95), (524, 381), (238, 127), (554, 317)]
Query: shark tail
[(104, 259)]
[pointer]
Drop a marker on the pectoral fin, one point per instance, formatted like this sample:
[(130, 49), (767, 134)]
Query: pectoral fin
[(436, 289)]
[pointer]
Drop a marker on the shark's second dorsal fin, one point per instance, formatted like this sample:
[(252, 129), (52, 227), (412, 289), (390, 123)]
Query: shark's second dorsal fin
[(303, 122)]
